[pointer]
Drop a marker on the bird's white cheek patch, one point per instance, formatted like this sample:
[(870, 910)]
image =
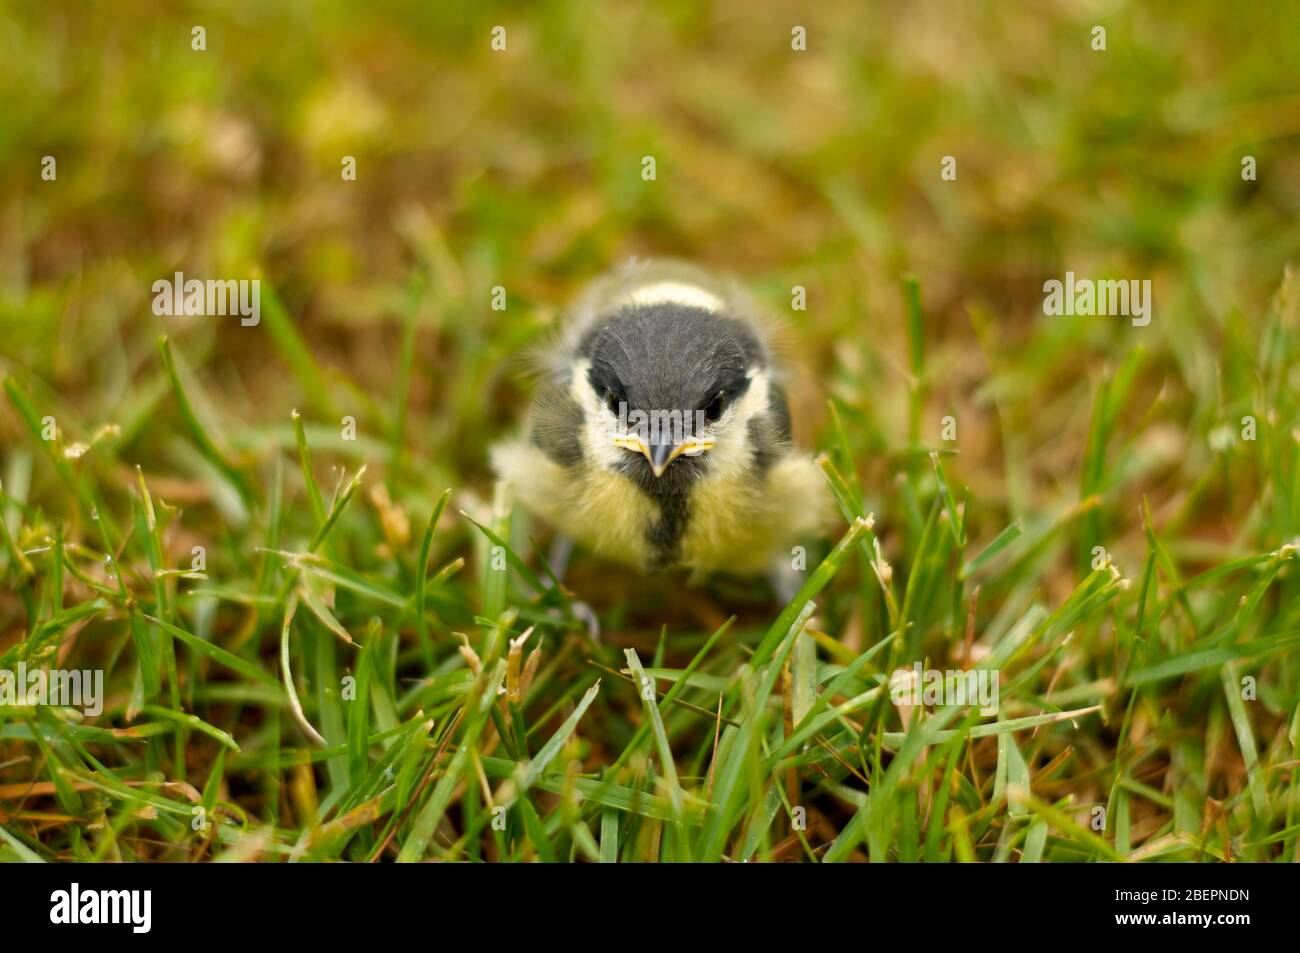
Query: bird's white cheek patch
[(596, 432), (730, 456)]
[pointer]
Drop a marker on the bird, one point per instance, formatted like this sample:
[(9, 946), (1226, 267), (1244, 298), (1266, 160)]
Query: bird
[(659, 436)]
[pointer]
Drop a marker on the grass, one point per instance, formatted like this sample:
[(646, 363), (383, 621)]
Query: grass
[(328, 643)]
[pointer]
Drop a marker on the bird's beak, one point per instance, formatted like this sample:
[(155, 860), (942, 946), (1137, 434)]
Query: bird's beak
[(661, 455)]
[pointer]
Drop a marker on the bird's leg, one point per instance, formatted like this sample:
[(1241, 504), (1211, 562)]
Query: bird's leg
[(558, 559), (587, 615), (785, 579)]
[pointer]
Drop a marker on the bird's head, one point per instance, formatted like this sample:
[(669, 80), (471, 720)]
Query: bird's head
[(669, 392)]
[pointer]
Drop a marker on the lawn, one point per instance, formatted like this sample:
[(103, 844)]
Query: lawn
[(325, 634)]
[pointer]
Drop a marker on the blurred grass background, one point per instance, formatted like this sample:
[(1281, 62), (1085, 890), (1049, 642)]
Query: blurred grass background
[(522, 169)]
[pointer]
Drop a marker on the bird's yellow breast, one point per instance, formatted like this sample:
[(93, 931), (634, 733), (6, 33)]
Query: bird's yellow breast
[(737, 520), (741, 522), (598, 508)]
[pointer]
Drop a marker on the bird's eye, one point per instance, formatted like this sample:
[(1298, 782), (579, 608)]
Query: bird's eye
[(612, 402), (714, 408)]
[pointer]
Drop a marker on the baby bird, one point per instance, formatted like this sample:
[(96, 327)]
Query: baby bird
[(659, 436)]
